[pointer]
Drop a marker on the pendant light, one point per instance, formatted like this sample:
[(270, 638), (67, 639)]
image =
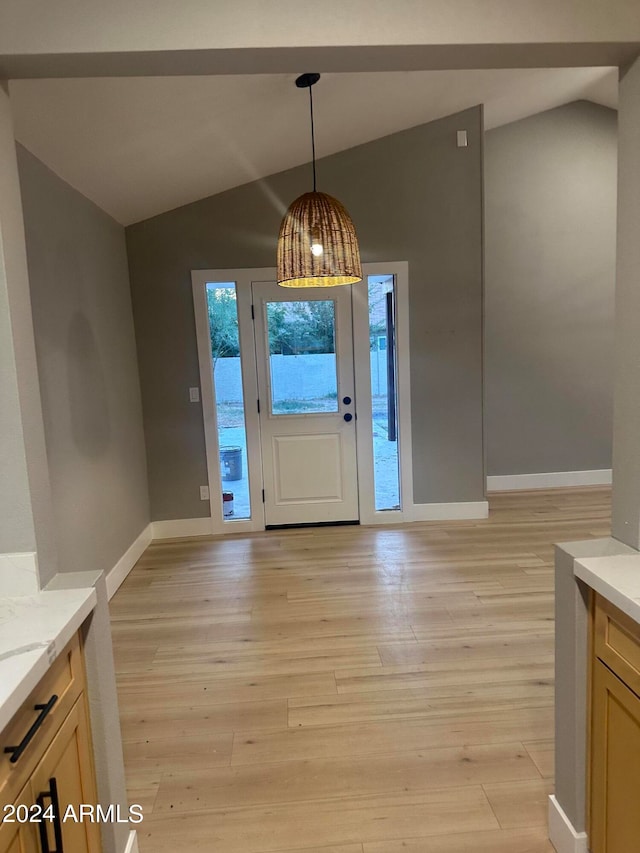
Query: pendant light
[(317, 244)]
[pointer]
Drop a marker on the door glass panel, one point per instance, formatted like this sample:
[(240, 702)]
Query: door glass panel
[(386, 472), (227, 381), (302, 357)]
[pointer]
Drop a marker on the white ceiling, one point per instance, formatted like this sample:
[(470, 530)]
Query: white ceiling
[(141, 146)]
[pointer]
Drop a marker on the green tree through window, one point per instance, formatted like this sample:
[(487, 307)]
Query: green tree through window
[(223, 323), (297, 328)]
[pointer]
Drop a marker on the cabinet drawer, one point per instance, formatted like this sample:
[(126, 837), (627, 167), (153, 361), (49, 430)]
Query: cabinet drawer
[(64, 679), (617, 642)]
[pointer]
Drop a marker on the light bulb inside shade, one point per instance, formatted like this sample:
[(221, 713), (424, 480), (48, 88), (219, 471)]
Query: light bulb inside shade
[(316, 249)]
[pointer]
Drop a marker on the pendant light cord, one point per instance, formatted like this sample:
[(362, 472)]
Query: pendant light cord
[(313, 137)]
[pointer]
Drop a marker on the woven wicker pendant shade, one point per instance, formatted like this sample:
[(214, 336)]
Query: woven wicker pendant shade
[(319, 220), (317, 244)]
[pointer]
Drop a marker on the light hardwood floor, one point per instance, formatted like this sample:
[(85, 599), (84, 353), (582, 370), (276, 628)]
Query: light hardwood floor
[(348, 690)]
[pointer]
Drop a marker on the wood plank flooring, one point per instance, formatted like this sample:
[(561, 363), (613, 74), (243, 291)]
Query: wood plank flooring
[(348, 690)]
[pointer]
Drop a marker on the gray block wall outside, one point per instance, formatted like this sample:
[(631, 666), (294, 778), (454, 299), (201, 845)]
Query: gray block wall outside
[(318, 372), (414, 196), (571, 674)]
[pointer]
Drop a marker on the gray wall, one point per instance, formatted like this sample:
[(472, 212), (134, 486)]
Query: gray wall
[(16, 520), (25, 496), (414, 196), (626, 431), (571, 631), (550, 202), (88, 370)]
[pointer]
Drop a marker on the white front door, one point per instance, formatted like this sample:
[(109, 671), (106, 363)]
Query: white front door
[(304, 353)]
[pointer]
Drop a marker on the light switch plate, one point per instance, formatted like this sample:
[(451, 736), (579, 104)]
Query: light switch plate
[(463, 140), (204, 493), (194, 395)]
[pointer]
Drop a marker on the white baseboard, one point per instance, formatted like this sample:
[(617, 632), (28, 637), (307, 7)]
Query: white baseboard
[(174, 529), (132, 843), (128, 560), (19, 574), (549, 480), (561, 832), (448, 512), (181, 527)]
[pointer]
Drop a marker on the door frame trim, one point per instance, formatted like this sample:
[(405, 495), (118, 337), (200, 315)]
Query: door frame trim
[(243, 279), (364, 427), (304, 429)]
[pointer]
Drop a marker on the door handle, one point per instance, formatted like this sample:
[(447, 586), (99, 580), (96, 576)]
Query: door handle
[(348, 417)]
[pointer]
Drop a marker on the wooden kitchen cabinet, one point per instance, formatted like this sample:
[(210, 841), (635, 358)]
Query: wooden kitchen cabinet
[(49, 738), (18, 837), (68, 762), (615, 732)]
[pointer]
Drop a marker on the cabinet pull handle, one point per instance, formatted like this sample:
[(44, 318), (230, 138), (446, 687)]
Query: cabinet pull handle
[(16, 751), (51, 794), (42, 826)]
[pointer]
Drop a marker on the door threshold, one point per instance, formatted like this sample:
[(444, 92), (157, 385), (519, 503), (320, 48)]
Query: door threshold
[(312, 524)]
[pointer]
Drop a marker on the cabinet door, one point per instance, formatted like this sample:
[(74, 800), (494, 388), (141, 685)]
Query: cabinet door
[(64, 681), (19, 837), (68, 762), (615, 765)]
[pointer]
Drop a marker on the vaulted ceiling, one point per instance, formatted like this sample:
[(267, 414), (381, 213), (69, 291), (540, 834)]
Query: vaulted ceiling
[(140, 146)]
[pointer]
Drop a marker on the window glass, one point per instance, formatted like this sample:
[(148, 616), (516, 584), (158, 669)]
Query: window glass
[(227, 380), (302, 357)]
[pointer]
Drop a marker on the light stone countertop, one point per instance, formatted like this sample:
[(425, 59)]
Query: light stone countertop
[(616, 578), (33, 630)]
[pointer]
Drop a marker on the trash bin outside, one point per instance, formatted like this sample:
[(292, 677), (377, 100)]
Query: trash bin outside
[(227, 504), (231, 463)]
